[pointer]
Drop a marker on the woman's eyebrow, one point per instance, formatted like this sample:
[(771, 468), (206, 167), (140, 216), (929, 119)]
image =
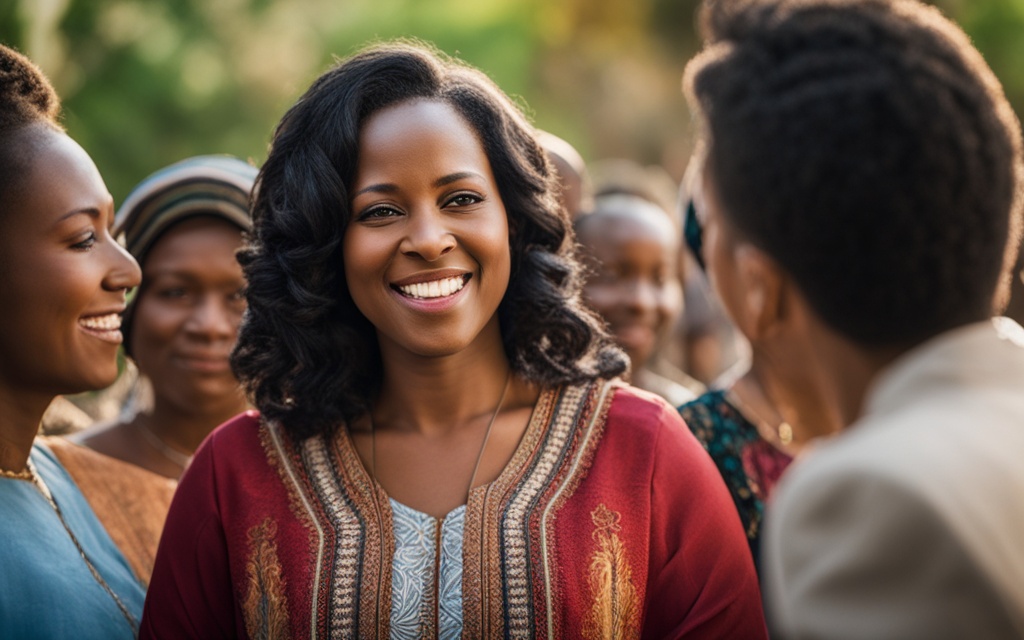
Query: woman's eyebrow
[(387, 187), (382, 187), (92, 212), (455, 177)]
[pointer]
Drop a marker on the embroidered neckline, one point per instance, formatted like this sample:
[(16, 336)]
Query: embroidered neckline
[(521, 457)]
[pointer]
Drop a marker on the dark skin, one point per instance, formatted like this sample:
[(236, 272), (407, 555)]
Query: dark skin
[(185, 325), (65, 279), (802, 371), (427, 209), (632, 284)]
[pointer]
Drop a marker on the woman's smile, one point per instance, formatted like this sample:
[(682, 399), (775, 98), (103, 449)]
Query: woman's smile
[(203, 363), (434, 288), (105, 326)]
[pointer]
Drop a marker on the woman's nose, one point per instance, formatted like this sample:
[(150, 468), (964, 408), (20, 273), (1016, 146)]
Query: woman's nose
[(213, 318), (641, 295), (427, 236), (123, 271)]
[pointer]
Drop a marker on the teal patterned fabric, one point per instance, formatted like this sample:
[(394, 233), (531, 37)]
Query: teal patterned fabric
[(413, 568), (749, 465)]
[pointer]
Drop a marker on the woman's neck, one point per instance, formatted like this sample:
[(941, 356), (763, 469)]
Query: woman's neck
[(808, 413), (21, 414), (432, 394), (185, 429)]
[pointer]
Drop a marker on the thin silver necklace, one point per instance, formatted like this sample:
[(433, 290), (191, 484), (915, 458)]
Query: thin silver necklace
[(479, 456), (177, 457)]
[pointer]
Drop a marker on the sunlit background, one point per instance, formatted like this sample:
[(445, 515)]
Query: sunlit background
[(148, 82)]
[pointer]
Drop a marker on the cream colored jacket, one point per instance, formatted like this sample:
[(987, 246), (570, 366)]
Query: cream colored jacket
[(910, 524)]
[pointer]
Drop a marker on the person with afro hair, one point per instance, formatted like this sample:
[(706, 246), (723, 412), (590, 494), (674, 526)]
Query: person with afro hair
[(863, 183)]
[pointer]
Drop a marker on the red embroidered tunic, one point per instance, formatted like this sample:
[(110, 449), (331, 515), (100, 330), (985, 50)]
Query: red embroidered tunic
[(610, 521)]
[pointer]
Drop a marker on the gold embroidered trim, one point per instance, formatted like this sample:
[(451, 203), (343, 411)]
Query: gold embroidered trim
[(266, 606), (279, 456), (615, 612), (549, 464), (577, 470), (368, 498), (483, 606)]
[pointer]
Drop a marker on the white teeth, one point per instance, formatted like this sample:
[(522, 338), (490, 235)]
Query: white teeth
[(110, 322), (434, 289)]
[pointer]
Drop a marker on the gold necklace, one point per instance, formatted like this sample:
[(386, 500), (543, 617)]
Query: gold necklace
[(37, 480), (784, 431), (479, 456), (24, 474), (175, 456)]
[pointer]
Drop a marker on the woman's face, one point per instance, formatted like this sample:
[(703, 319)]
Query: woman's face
[(427, 255), (632, 282), (63, 277), (187, 315)]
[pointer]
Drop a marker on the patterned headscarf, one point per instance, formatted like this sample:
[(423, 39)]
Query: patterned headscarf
[(204, 185), (217, 186)]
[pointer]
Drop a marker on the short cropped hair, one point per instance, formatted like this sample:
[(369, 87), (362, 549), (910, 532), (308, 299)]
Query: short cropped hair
[(26, 98), (869, 150), (305, 353)]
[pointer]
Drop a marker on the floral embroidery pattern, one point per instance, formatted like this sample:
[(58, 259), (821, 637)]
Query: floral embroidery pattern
[(615, 612), (265, 607)]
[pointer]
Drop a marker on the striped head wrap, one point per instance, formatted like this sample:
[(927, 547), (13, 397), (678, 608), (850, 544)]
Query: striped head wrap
[(216, 186)]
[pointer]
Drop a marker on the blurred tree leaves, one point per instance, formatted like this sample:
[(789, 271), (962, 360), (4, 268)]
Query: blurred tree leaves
[(147, 82)]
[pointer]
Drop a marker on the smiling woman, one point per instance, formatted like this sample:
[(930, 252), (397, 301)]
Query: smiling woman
[(442, 448), (183, 224), (63, 282)]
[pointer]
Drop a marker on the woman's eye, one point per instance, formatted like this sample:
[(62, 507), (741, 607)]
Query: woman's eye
[(379, 213), (171, 293), (464, 199), (86, 243)]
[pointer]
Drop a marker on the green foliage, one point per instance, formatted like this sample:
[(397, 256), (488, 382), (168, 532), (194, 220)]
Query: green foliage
[(146, 82)]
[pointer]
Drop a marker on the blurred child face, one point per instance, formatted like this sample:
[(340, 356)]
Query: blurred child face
[(64, 277), (631, 248)]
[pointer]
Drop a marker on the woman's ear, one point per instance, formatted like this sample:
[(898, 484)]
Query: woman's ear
[(763, 292)]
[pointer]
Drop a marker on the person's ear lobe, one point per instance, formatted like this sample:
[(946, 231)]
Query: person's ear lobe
[(763, 291)]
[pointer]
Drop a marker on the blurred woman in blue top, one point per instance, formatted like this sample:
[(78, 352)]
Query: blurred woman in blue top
[(63, 281)]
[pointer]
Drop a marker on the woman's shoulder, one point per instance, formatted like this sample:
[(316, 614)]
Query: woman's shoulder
[(645, 432), (238, 440), (240, 430), (643, 413)]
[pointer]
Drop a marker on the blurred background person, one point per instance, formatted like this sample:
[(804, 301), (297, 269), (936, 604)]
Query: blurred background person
[(575, 191), (701, 345), (864, 187), (183, 224), (630, 249), (63, 280)]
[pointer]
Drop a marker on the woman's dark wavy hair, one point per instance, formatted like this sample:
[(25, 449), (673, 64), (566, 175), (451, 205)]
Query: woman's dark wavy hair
[(867, 147), (307, 356)]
